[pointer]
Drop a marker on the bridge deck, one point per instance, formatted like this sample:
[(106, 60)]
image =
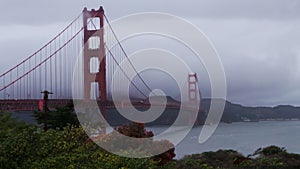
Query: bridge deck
[(32, 105)]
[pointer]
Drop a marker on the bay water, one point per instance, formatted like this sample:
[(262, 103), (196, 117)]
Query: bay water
[(244, 137)]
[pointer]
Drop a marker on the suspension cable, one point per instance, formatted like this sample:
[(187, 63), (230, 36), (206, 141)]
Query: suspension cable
[(125, 72), (126, 57), (119, 43), (43, 46), (42, 62)]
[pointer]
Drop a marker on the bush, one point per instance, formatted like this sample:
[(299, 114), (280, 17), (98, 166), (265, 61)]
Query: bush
[(142, 147), (27, 146), (59, 118), (272, 150)]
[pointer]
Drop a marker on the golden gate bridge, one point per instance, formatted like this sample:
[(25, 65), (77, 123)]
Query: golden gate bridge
[(52, 68)]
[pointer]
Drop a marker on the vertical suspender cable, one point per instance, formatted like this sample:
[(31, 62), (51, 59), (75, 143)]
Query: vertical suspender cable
[(55, 69), (64, 68), (45, 86), (24, 83), (29, 81), (50, 71), (4, 92), (34, 88), (60, 70), (40, 68), (12, 89), (17, 87), (66, 65)]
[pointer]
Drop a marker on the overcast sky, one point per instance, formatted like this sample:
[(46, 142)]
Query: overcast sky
[(258, 41)]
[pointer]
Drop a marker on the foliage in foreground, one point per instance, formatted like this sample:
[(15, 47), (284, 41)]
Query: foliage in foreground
[(146, 147), (58, 118), (28, 146)]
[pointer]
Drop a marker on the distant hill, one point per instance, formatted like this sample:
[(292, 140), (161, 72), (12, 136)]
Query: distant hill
[(232, 113), (237, 113)]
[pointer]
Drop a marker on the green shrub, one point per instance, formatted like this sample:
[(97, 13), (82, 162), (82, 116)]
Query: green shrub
[(272, 150), (148, 147), (58, 118)]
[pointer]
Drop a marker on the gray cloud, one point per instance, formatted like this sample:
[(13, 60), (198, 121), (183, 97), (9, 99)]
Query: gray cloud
[(261, 58), (258, 41), (44, 12)]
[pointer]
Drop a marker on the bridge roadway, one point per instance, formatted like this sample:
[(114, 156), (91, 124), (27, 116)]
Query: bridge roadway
[(33, 104)]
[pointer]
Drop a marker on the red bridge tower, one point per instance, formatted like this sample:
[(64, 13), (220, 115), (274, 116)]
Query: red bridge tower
[(93, 21), (192, 88)]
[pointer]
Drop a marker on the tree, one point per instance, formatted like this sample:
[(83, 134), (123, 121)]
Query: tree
[(146, 147), (59, 118), (28, 146)]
